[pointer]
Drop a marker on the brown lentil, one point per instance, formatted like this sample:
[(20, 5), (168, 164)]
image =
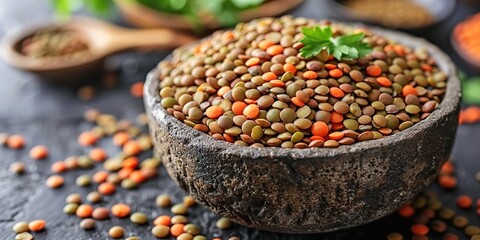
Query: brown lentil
[(100, 213), (286, 93), (223, 223), (116, 232), (87, 224), (17, 168)]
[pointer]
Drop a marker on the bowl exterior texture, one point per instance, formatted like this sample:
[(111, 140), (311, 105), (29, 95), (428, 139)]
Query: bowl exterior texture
[(307, 190)]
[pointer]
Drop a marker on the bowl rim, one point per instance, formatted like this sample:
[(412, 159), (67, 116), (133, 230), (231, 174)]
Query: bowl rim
[(190, 136)]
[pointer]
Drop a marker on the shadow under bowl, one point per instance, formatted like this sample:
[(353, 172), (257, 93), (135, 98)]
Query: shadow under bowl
[(308, 190)]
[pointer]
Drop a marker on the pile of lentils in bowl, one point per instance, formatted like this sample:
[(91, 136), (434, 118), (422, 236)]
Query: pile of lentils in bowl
[(250, 86)]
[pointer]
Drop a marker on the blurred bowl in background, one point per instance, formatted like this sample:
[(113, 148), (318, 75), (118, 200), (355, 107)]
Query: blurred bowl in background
[(400, 14)]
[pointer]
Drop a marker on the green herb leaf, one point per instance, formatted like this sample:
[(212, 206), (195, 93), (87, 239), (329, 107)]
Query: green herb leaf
[(317, 39), (471, 90)]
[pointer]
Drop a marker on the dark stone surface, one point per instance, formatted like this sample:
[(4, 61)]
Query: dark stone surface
[(52, 115), (308, 190)]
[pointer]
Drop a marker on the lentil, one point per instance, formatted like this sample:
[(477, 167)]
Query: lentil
[(87, 224), (223, 223), (252, 99), (17, 168), (70, 208), (20, 227), (24, 236), (116, 232), (54, 181), (100, 213), (160, 231), (37, 225), (120, 210), (139, 218)]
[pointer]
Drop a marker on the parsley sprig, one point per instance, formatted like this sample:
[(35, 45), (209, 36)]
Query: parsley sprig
[(317, 39)]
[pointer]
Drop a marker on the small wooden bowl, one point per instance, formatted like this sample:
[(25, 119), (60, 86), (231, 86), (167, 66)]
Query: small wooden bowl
[(140, 15), (308, 190)]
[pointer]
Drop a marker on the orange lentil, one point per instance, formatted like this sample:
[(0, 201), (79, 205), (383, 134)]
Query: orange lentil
[(250, 101), (120, 210), (87, 139), (252, 62), (288, 67), (277, 83), (58, 167), (214, 112), (238, 107), (337, 126), (124, 173), (399, 50), (297, 102), (313, 138), (336, 135), (336, 73), (406, 211), (336, 92), (162, 220), (228, 138), (408, 89), (470, 115), (228, 36), (201, 127), (275, 50), (137, 177), (384, 82), (319, 129), (223, 90), (120, 138), (131, 148), (54, 181), (466, 35), (84, 211), (107, 188), (15, 141), (176, 229), (374, 70), (251, 111), (419, 229), (336, 117), (38, 152), (37, 225), (136, 90), (268, 76), (97, 154), (130, 162), (464, 201), (447, 168), (330, 66), (447, 182), (426, 67), (264, 44), (149, 172), (100, 176), (310, 75)]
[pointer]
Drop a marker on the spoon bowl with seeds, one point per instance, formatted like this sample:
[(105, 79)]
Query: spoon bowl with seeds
[(65, 52), (264, 127)]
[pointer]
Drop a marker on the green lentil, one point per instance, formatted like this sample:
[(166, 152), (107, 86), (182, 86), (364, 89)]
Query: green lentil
[(133, 238), (223, 223), (192, 229), (70, 208), (199, 237), (84, 162), (139, 218), (179, 208), (83, 180), (128, 184), (296, 137), (185, 236), (257, 133), (472, 230), (163, 200), (179, 219)]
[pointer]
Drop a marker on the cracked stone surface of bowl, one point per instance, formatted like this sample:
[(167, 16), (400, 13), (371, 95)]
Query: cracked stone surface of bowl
[(308, 190)]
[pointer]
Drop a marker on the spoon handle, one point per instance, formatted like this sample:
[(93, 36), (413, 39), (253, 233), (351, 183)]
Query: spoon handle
[(150, 39)]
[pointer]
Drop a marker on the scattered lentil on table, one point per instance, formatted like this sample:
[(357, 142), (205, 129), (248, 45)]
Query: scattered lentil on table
[(237, 90)]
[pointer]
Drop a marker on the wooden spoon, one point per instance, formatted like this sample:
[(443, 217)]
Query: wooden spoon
[(102, 38)]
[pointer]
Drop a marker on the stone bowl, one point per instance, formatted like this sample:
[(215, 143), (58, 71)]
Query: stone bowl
[(308, 190)]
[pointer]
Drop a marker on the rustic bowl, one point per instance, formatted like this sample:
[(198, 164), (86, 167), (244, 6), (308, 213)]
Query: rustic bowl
[(143, 16), (308, 190)]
